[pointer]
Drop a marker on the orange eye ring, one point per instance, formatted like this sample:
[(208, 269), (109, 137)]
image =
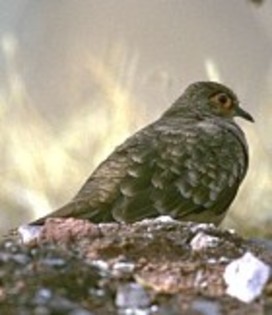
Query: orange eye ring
[(223, 100)]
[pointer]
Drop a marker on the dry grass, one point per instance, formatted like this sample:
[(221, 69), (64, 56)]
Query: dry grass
[(39, 168)]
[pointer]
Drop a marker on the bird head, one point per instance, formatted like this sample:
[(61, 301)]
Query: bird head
[(206, 99)]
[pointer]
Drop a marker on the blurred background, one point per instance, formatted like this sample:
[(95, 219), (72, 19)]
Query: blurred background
[(78, 77)]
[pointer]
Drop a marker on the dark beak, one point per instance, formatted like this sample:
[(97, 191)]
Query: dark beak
[(242, 113)]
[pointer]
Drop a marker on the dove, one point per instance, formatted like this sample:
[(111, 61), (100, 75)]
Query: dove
[(188, 164)]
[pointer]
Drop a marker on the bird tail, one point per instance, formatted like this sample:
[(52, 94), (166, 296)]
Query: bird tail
[(79, 209), (63, 212)]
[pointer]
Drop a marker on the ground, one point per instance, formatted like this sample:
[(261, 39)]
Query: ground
[(152, 267)]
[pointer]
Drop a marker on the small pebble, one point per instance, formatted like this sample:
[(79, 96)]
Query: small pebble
[(54, 262), (122, 268), (202, 240), (42, 296), (201, 227), (29, 233), (21, 259), (206, 307), (165, 219), (132, 295)]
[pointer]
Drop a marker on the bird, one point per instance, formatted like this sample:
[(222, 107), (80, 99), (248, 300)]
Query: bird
[(188, 165)]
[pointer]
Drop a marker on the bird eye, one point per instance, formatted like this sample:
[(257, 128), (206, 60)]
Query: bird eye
[(223, 100)]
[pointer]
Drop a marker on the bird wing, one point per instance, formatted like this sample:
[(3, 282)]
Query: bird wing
[(209, 168), (189, 173)]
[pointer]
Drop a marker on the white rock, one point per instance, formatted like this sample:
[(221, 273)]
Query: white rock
[(132, 296), (29, 232), (165, 219), (100, 264), (246, 277), (202, 240), (201, 227), (122, 267)]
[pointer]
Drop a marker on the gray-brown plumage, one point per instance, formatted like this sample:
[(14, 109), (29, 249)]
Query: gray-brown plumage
[(188, 164)]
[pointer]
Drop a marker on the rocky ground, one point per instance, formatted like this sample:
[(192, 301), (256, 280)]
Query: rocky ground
[(151, 267)]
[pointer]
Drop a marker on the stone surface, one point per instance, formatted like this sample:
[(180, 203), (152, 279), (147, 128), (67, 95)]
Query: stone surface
[(153, 259)]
